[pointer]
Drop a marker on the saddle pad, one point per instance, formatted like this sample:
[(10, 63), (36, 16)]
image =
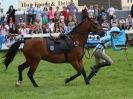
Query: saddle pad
[(59, 46)]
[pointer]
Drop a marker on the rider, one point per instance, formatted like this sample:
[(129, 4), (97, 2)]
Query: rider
[(99, 52)]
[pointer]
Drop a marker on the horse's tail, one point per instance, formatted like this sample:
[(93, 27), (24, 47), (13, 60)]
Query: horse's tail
[(9, 56)]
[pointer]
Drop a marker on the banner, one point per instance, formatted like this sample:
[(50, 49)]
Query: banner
[(24, 4)]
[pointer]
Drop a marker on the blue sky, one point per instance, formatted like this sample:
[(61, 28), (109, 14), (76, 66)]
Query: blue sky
[(7, 3)]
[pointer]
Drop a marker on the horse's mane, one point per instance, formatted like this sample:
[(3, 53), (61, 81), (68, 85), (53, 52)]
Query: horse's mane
[(77, 26)]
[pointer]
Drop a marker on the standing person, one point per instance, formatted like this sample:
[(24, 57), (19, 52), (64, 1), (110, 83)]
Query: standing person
[(1, 9), (99, 52), (1, 13), (91, 12), (103, 14), (4, 29), (65, 14), (72, 12), (96, 12), (111, 12), (51, 14), (45, 16), (38, 13), (11, 14), (13, 29), (131, 11), (57, 15), (31, 15)]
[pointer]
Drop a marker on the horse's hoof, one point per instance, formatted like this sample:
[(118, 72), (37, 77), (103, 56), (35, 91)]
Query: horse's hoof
[(66, 80), (18, 83), (88, 83), (36, 86)]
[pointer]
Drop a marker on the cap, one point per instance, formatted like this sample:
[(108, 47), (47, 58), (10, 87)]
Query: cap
[(115, 29)]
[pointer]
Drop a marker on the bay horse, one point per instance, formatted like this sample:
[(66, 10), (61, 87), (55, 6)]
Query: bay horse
[(35, 49)]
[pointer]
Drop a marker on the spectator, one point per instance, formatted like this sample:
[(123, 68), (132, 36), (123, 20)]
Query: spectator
[(91, 12), (51, 26), (2, 38), (57, 15), (65, 14), (122, 23), (131, 11), (38, 13), (1, 13), (62, 18), (23, 30), (31, 14), (111, 12), (21, 23), (72, 11), (57, 28), (103, 14), (114, 21), (129, 22), (4, 29), (105, 25), (61, 26), (51, 14), (11, 13), (45, 15), (13, 29), (45, 28), (84, 12), (96, 12), (1, 9), (37, 26), (3, 19), (71, 25)]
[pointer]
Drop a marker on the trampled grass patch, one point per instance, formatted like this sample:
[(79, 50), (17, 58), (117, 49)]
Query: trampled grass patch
[(114, 82)]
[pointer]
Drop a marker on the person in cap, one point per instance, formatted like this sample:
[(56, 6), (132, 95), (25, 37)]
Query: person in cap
[(99, 52)]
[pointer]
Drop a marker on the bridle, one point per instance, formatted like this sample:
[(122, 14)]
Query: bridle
[(92, 23)]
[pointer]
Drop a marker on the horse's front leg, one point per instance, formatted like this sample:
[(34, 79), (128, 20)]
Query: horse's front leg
[(78, 65)]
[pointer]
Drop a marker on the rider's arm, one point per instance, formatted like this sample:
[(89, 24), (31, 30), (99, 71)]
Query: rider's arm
[(114, 46)]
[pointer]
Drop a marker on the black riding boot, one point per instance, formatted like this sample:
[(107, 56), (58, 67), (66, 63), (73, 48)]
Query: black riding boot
[(103, 64), (96, 68), (93, 72)]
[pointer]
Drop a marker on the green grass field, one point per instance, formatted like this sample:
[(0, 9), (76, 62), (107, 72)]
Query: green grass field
[(114, 82)]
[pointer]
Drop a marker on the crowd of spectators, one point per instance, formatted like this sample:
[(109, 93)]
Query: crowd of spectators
[(107, 17), (46, 20), (59, 20)]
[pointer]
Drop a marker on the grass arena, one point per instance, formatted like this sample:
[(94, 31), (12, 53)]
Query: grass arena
[(114, 82)]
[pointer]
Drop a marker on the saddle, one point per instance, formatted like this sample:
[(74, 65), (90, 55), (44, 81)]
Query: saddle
[(59, 45)]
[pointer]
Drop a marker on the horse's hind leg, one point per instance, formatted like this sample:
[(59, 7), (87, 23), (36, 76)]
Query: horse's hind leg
[(20, 70), (72, 77), (33, 66), (78, 65)]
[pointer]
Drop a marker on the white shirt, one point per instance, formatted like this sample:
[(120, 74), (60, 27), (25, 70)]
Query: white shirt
[(4, 30), (62, 18), (91, 13), (51, 26), (111, 11)]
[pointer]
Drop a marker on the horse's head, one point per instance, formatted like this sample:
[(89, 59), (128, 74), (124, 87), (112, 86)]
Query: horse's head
[(94, 27)]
